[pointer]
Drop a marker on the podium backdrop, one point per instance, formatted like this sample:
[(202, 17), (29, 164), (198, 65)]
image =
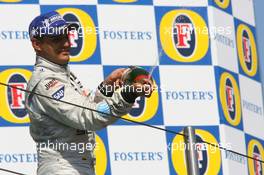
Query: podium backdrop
[(207, 74)]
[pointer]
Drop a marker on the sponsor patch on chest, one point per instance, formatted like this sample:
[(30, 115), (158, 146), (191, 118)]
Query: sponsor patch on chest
[(59, 94), (51, 84)]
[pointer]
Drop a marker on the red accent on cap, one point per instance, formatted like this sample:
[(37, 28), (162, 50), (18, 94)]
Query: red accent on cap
[(139, 77)]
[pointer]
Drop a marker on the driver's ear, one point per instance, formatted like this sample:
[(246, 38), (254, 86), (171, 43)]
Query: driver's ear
[(36, 44)]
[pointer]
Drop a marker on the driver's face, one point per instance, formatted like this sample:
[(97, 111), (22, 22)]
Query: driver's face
[(56, 48)]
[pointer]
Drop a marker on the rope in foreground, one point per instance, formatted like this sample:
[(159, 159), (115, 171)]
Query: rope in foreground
[(132, 121)]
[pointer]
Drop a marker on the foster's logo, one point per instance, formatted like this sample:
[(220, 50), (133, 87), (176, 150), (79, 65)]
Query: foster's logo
[(255, 150), (230, 99), (12, 99), (83, 38), (209, 157), (184, 35), (247, 51)]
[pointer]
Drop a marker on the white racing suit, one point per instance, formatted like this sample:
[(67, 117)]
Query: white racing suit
[(60, 129)]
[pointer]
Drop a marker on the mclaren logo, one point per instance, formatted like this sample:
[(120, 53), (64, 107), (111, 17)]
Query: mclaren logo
[(247, 51), (83, 39), (13, 100), (144, 108), (209, 158), (224, 4), (184, 35), (255, 150), (101, 156), (230, 99)]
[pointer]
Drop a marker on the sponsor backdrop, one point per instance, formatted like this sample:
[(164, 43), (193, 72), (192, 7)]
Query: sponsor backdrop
[(207, 73)]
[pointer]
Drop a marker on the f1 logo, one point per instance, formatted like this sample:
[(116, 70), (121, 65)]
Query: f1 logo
[(257, 164), (17, 96), (184, 31), (230, 98), (246, 48)]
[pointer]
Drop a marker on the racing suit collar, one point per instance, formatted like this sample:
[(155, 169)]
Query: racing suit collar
[(40, 61)]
